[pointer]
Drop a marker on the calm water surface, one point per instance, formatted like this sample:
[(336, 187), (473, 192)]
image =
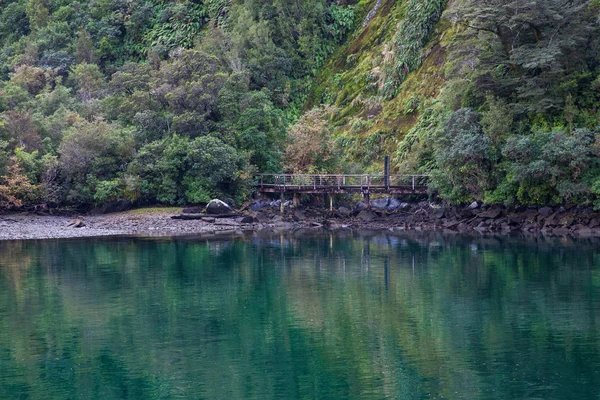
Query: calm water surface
[(329, 317)]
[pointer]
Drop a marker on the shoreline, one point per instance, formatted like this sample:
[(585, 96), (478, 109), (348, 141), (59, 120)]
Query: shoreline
[(422, 217)]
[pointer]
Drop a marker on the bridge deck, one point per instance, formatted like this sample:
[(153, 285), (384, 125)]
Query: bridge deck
[(343, 184)]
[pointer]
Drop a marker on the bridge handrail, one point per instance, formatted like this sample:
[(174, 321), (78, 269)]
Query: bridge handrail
[(347, 175), (340, 181)]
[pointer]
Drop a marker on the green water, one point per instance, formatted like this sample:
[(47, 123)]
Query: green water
[(283, 317)]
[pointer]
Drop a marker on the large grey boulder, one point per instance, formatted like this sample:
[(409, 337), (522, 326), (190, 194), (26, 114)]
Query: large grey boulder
[(218, 207), (394, 204), (380, 204)]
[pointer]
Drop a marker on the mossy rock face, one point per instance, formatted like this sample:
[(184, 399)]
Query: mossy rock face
[(369, 124)]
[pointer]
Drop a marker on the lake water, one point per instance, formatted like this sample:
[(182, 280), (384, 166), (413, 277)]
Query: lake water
[(283, 317)]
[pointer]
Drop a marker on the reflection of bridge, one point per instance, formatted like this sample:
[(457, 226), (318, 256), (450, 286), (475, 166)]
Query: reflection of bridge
[(342, 184)]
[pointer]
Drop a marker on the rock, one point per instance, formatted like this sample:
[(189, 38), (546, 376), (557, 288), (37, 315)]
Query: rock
[(394, 204), (465, 214), (193, 210), (218, 207), (594, 223), (441, 213), (282, 225), (516, 218), (259, 205), (299, 216), (451, 224), (551, 220), (262, 218), (275, 204), (345, 211), (567, 221), (404, 206), (366, 215), (491, 214), (76, 223), (585, 231), (247, 220), (530, 215), (361, 205), (277, 218), (462, 227), (545, 211), (380, 204), (208, 220), (473, 206), (561, 231)]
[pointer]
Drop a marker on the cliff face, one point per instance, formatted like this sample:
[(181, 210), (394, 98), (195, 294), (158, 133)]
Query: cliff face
[(498, 100), (393, 63)]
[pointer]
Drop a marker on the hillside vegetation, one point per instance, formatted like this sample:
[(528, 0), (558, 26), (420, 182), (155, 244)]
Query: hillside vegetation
[(181, 101)]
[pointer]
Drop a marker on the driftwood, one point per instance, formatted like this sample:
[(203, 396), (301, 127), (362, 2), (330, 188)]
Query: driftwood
[(200, 216)]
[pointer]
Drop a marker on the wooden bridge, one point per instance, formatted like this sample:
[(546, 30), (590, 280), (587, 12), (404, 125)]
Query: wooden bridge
[(343, 184)]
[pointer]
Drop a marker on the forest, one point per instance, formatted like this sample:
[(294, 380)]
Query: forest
[(179, 102)]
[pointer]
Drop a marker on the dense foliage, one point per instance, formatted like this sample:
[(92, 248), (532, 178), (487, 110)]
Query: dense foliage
[(180, 101), (516, 120), (156, 101)]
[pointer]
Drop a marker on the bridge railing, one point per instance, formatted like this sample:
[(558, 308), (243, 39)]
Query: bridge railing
[(340, 181)]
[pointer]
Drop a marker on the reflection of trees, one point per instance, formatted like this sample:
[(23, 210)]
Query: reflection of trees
[(355, 316)]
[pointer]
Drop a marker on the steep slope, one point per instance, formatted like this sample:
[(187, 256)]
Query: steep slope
[(498, 100)]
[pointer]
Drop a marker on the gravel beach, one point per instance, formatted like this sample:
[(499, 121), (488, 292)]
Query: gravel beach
[(31, 226)]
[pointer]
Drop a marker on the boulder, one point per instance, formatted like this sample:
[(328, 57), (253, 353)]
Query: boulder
[(218, 207), (247, 219), (561, 231), (262, 218), (380, 204), (259, 205), (299, 216), (282, 225), (277, 218), (361, 205), (474, 205), (440, 213), (395, 204), (545, 211), (366, 215), (490, 214), (344, 211)]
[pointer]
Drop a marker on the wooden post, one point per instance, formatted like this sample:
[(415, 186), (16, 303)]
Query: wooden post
[(296, 200), (386, 173), (367, 199), (281, 206), (330, 202)]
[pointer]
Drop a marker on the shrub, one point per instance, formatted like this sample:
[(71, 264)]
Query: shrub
[(464, 157)]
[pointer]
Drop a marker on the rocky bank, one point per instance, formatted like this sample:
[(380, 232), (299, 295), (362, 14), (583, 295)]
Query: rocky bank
[(384, 214)]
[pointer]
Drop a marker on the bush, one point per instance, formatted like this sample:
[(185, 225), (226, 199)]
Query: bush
[(552, 167), (177, 170), (464, 157)]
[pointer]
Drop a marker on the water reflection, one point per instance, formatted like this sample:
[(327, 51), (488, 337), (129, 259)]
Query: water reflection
[(296, 316)]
